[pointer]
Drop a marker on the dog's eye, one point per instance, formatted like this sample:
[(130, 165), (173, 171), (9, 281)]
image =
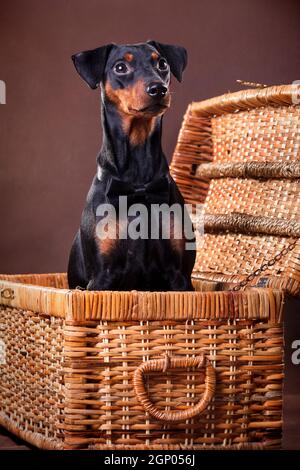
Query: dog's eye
[(162, 64), (121, 68)]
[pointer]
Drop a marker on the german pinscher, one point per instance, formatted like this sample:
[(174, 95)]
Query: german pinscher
[(134, 81)]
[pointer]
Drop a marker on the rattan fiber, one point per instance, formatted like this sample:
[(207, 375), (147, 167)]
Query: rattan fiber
[(246, 145)]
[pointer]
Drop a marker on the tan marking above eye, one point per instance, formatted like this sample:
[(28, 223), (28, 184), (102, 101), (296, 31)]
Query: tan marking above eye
[(128, 57), (154, 56)]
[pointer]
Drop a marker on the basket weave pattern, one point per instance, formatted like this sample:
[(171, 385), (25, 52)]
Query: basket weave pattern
[(72, 355), (258, 126), (31, 391)]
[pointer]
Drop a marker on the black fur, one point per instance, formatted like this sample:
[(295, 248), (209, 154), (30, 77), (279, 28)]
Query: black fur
[(130, 264)]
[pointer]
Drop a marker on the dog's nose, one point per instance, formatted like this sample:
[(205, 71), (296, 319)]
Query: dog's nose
[(157, 90)]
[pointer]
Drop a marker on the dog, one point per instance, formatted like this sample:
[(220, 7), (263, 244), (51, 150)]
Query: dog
[(135, 93)]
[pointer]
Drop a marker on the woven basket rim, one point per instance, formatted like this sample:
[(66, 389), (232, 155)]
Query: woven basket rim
[(275, 96), (86, 306)]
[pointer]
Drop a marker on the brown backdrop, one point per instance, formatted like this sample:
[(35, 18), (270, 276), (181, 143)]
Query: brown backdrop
[(50, 126)]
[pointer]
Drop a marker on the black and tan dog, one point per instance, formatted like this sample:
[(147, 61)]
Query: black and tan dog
[(134, 82)]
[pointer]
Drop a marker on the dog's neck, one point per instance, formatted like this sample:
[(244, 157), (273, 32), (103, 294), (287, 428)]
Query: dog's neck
[(131, 148)]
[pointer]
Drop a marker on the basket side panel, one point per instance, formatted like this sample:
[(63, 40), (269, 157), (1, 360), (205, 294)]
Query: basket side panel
[(272, 198), (102, 410), (31, 391)]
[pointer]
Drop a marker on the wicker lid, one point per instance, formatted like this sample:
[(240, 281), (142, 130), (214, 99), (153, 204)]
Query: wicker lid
[(240, 153)]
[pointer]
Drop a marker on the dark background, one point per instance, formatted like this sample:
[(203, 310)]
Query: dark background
[(50, 127)]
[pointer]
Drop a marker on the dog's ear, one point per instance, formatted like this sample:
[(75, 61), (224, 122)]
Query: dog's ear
[(91, 64), (175, 55)]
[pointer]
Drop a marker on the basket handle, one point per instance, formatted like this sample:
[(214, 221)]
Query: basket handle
[(161, 365)]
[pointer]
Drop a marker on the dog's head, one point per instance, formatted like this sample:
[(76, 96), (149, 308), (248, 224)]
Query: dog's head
[(135, 78)]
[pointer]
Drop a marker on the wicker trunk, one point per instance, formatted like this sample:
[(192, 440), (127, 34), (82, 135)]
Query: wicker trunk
[(134, 370), (191, 370)]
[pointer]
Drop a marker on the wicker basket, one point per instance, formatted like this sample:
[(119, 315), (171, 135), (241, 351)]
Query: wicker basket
[(140, 370), (247, 145)]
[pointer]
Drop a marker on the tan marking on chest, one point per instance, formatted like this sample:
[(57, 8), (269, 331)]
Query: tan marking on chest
[(139, 130), (108, 244), (177, 240)]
